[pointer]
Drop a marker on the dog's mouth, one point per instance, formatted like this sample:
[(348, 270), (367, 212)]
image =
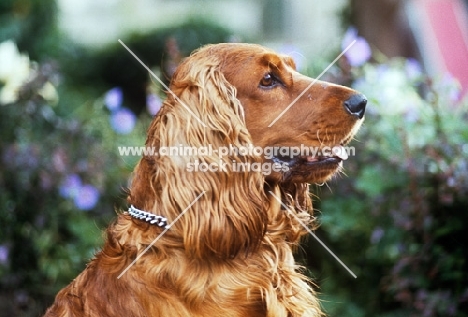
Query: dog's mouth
[(312, 168), (326, 155)]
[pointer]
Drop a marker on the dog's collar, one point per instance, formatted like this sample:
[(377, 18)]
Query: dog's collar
[(148, 217)]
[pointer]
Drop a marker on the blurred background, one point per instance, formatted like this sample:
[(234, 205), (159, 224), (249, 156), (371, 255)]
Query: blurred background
[(70, 94)]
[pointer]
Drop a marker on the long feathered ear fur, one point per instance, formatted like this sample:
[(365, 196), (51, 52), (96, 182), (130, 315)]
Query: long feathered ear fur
[(230, 217)]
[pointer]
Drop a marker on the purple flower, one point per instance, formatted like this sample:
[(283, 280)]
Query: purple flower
[(113, 99), (123, 121), (359, 52), (377, 235), (450, 86), (153, 104), (86, 198), (383, 70), (413, 69), (70, 186), (4, 254), (412, 113)]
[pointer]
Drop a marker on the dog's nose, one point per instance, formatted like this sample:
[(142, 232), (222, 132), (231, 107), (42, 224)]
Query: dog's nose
[(356, 105)]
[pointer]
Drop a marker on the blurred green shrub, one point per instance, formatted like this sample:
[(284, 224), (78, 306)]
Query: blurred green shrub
[(32, 25), (398, 218), (60, 179)]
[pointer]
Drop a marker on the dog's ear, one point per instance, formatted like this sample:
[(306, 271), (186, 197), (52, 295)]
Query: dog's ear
[(204, 125)]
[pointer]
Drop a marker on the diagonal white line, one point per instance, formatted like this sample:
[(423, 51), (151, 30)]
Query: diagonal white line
[(160, 235), (311, 84), (162, 83), (313, 235)]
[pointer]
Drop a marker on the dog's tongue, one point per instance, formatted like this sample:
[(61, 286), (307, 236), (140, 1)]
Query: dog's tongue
[(340, 152)]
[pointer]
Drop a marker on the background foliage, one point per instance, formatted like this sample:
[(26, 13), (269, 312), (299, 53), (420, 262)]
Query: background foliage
[(397, 218)]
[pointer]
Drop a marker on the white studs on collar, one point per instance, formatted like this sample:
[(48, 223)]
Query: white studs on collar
[(148, 217)]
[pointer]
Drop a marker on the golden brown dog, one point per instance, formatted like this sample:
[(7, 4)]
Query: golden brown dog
[(229, 253)]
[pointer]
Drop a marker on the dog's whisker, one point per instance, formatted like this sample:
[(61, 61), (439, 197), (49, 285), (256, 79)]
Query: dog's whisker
[(329, 188), (326, 135), (318, 138)]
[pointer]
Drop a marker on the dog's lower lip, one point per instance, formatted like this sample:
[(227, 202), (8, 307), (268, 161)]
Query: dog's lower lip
[(324, 160), (305, 159), (308, 160)]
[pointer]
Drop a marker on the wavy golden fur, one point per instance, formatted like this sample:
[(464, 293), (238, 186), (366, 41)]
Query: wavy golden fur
[(231, 252)]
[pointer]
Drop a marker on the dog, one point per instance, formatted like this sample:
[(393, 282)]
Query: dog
[(202, 236)]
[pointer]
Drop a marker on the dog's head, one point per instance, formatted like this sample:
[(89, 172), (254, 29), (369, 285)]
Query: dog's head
[(302, 124)]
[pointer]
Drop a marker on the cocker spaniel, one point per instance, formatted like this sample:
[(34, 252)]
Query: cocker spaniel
[(211, 232)]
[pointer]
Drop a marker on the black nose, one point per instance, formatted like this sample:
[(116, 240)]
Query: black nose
[(356, 105)]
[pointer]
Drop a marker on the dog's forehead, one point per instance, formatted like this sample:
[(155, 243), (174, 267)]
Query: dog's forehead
[(275, 60), (229, 54), (244, 51)]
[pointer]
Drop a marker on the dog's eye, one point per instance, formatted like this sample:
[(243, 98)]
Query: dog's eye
[(269, 80)]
